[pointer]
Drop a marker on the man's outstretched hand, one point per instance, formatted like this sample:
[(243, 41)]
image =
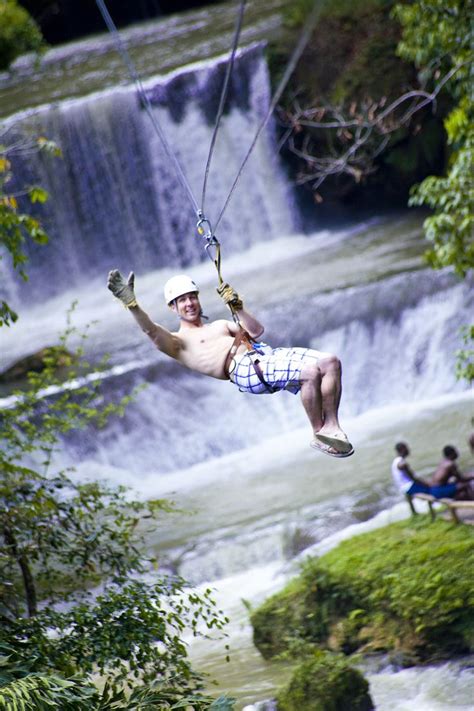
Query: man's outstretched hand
[(229, 296), (121, 289)]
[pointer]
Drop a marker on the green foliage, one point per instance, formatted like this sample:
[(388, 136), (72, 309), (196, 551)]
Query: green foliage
[(60, 537), (19, 33), (42, 693), (439, 36), (405, 586), (22, 687), (16, 226), (325, 682), (451, 226), (465, 356)]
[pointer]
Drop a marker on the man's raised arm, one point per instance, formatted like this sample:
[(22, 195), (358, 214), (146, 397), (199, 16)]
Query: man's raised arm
[(248, 322), (123, 290)]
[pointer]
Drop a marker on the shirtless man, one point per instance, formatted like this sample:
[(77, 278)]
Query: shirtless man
[(221, 350), (447, 472)]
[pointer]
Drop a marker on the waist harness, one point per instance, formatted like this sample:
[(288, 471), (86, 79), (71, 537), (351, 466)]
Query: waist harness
[(243, 337)]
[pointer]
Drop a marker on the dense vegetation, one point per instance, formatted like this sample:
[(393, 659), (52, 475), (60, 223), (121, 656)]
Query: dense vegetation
[(19, 33), (80, 594), (406, 588)]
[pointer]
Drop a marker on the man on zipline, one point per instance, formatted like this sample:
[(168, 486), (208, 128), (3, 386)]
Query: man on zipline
[(227, 351)]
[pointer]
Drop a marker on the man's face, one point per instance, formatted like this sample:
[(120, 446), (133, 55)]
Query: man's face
[(188, 307)]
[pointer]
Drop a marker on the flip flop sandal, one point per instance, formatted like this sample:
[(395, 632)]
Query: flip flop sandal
[(325, 449), (342, 444)]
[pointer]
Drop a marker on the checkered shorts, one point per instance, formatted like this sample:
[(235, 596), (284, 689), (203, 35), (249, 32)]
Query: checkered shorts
[(281, 369)]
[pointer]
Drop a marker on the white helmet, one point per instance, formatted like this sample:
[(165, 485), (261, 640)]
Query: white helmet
[(177, 286)]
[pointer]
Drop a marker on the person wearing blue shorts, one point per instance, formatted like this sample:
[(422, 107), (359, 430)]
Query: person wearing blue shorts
[(230, 351), (408, 483)]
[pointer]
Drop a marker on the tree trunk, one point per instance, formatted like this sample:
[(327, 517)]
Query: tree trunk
[(28, 580)]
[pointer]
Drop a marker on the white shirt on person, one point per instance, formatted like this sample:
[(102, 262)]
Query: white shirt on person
[(400, 477)]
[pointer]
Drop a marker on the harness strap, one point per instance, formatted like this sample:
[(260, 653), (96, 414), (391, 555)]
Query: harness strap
[(259, 373), (243, 337), (240, 337)]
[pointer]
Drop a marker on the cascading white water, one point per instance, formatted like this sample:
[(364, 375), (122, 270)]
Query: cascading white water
[(114, 197), (392, 347)]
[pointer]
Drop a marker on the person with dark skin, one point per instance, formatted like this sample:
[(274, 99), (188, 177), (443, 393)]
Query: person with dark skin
[(471, 443), (447, 472), (226, 350), (408, 483)]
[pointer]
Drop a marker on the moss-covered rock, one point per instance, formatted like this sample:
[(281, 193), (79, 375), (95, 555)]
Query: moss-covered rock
[(404, 588), (325, 682), (303, 612)]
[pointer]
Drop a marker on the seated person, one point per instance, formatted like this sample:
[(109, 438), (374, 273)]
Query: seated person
[(447, 472), (408, 483)]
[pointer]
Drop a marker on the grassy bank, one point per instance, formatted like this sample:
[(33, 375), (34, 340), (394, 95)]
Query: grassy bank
[(406, 588)]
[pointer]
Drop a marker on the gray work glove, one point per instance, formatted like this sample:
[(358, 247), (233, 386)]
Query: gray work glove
[(229, 296), (121, 289)]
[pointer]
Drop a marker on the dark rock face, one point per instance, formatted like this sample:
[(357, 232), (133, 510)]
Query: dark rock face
[(35, 363)]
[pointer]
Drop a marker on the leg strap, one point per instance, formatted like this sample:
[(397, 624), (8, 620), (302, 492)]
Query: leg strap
[(258, 370)]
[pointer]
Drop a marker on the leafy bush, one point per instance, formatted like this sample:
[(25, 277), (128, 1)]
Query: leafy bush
[(439, 37), (19, 33)]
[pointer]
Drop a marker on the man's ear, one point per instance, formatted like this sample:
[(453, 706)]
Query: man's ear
[(172, 306)]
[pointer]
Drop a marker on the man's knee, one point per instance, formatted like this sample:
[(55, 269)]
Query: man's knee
[(312, 373), (330, 364)]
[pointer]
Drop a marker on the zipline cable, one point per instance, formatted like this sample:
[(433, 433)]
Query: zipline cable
[(146, 102), (223, 98), (209, 233), (297, 52)]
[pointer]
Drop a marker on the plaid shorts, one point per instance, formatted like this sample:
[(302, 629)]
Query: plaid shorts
[(281, 368)]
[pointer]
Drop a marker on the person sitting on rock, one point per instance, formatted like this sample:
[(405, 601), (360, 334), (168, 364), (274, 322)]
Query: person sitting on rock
[(225, 350)]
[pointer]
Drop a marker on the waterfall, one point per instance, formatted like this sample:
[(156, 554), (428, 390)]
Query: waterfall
[(115, 200), (395, 338)]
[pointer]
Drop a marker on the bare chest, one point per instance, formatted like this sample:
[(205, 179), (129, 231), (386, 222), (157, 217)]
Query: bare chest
[(208, 337)]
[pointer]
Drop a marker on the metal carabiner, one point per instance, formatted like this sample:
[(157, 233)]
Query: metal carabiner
[(204, 229)]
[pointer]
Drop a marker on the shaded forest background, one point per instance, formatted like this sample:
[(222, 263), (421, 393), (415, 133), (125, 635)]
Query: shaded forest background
[(65, 20)]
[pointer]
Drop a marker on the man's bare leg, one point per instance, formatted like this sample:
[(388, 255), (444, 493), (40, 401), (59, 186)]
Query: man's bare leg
[(331, 391), (311, 395), (321, 394)]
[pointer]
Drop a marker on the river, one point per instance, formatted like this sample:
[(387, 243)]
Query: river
[(257, 496)]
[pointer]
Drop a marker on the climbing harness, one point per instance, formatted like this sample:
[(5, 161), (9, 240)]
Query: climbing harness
[(243, 337), (203, 225)]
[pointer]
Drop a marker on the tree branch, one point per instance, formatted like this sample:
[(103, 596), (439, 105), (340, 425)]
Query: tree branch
[(361, 126)]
